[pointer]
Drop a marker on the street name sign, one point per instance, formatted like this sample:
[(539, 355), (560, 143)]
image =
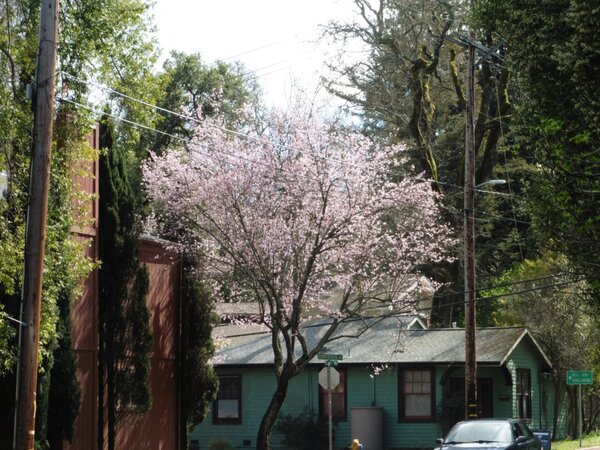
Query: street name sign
[(330, 356), (580, 377)]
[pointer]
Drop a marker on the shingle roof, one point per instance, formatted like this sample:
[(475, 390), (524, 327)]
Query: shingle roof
[(378, 340)]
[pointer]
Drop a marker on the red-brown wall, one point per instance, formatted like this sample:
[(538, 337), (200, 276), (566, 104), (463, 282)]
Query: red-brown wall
[(158, 428), (84, 314)]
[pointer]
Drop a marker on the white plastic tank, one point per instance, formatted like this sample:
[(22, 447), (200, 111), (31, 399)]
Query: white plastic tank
[(366, 425)]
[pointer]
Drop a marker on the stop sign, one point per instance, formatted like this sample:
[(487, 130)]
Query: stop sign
[(334, 378)]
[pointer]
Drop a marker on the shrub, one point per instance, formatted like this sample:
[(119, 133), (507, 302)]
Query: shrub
[(219, 444), (303, 432)]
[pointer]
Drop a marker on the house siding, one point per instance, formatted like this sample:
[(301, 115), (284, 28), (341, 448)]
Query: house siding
[(364, 390), (561, 429), (258, 385), (523, 357)]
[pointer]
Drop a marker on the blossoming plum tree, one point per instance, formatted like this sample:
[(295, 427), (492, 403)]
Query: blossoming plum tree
[(303, 219)]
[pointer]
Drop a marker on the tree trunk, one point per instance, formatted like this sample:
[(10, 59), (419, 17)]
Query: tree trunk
[(555, 406), (572, 414), (268, 420)]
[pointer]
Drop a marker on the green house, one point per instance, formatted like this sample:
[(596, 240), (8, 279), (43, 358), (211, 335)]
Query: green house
[(401, 385)]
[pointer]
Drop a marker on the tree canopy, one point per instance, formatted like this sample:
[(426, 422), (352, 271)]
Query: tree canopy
[(557, 125), (304, 220), (409, 86)]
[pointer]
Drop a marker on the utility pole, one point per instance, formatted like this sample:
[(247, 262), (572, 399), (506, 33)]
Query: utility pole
[(24, 433), (473, 48), (469, 237)]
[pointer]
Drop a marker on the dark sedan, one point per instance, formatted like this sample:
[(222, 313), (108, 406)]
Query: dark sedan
[(492, 434)]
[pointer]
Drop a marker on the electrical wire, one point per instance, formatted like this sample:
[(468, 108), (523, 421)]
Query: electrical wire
[(507, 174), (244, 159), (254, 50), (260, 140), (440, 296), (430, 308), (121, 119)]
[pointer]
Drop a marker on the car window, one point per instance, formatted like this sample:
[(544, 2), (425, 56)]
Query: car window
[(524, 430), (518, 431), (474, 431)]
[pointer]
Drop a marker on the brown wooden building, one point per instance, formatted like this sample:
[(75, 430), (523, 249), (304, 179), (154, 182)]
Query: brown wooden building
[(159, 427)]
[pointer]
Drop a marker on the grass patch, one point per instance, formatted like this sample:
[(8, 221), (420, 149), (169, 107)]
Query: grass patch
[(591, 440)]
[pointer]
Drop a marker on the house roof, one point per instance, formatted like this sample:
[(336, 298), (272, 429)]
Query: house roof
[(387, 340)]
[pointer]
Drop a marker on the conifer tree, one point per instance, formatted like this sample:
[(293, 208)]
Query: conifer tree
[(199, 380), (125, 335)]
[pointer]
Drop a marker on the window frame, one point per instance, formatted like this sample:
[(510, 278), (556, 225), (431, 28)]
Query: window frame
[(523, 394), (323, 397), (124, 400), (228, 420), (402, 416)]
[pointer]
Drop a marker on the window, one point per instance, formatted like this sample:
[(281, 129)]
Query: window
[(524, 393), (130, 396), (416, 394), (227, 408), (338, 399), (521, 429)]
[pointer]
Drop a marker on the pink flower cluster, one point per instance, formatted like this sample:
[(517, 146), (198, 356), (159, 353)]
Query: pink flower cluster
[(302, 218)]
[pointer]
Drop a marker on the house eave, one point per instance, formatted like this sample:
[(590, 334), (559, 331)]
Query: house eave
[(523, 335)]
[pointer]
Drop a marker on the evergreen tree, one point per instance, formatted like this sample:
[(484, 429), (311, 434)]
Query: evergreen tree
[(199, 380), (557, 126), (65, 393), (125, 335), (91, 41)]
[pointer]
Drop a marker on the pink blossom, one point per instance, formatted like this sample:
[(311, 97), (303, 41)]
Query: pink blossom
[(303, 219)]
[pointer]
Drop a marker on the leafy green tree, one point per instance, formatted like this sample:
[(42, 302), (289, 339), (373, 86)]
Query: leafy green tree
[(125, 338), (191, 90), (121, 57), (536, 293), (409, 85), (557, 125)]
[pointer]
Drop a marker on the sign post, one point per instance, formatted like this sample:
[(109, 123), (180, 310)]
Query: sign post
[(329, 378), (579, 377), (330, 415)]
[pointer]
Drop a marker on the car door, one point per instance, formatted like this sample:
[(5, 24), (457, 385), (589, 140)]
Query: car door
[(531, 442)]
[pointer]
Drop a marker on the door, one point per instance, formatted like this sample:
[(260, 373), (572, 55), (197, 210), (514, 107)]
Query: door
[(485, 407)]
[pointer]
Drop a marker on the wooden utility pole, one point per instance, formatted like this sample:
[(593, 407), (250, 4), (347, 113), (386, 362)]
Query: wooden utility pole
[(469, 216), (469, 237), (24, 435)]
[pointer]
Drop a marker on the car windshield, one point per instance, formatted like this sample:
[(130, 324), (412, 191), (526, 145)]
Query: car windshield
[(480, 431)]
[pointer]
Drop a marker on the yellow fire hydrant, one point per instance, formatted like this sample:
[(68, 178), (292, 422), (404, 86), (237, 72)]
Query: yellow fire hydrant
[(356, 445)]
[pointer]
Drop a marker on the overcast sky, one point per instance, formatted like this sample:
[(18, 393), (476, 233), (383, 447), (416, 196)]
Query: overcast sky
[(273, 38)]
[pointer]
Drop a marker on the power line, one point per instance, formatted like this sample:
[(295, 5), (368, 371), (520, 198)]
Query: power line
[(257, 162), (121, 119), (242, 158), (430, 308), (259, 140), (254, 50)]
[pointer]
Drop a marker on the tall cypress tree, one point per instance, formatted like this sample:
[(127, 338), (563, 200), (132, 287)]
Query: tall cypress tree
[(124, 330), (64, 391), (199, 380)]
